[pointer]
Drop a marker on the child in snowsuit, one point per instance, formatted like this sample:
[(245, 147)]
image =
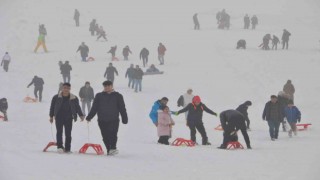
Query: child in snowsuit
[(165, 124), (293, 116)]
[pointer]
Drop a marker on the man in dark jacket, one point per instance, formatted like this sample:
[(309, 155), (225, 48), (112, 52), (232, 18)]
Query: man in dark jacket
[(42, 30), (194, 119), (38, 87), (137, 78), (273, 113), (84, 51), (4, 108), (108, 105), (86, 95), (130, 74), (65, 71), (196, 22), (110, 71), (289, 89), (112, 51), (126, 51), (144, 56), (232, 121), (246, 20), (76, 17), (243, 109), (92, 27), (285, 39), (64, 108)]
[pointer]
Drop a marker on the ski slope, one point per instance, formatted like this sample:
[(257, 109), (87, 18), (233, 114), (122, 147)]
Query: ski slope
[(204, 60)]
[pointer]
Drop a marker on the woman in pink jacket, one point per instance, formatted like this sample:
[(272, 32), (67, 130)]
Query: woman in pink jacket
[(165, 124)]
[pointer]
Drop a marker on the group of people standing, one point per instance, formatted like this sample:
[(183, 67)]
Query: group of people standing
[(275, 41)]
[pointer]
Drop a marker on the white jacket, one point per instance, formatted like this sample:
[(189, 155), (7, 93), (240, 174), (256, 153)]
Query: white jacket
[(6, 57), (187, 98)]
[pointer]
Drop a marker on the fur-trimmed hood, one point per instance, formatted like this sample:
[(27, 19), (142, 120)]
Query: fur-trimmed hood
[(72, 96)]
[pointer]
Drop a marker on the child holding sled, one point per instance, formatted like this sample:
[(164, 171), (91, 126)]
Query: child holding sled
[(165, 124)]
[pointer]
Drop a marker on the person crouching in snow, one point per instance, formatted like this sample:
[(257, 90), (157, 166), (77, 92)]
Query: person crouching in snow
[(165, 124), (194, 119), (293, 116)]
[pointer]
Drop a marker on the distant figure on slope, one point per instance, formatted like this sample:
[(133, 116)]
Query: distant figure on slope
[(112, 51), (84, 51), (285, 39), (144, 56), (4, 108), (283, 99), (6, 61), (243, 109), (86, 95), (161, 52), (246, 20), (41, 42), (265, 44), (130, 75), (137, 76), (65, 71), (293, 115), (241, 44), (275, 42), (165, 123), (125, 52), (76, 17), (153, 69), (102, 33), (38, 87), (92, 27), (42, 30), (184, 100), (224, 21), (110, 71), (254, 21), (196, 22), (289, 89)]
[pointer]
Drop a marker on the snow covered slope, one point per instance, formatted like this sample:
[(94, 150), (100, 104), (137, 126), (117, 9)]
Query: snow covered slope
[(204, 60)]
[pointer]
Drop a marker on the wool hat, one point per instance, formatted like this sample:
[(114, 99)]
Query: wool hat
[(196, 99)]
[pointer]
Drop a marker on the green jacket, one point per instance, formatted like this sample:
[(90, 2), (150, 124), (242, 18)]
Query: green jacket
[(41, 38)]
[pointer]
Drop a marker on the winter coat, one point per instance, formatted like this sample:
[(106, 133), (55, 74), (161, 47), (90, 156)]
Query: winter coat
[(195, 112), (195, 19), (76, 15), (164, 123), (56, 105), (138, 74), (289, 89), (154, 112), (243, 109), (65, 69), (246, 20), (293, 114), (267, 112), (144, 53), (86, 93), (37, 81), (126, 51), (108, 106), (283, 101), (6, 57), (254, 20), (84, 50), (3, 104), (92, 25), (286, 35), (161, 50), (130, 72), (110, 71), (232, 120), (42, 30)]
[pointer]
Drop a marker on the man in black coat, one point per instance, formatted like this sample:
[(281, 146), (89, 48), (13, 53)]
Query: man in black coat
[(243, 109), (137, 78), (130, 73), (144, 56), (246, 20), (86, 95), (110, 71), (285, 39), (4, 108), (38, 87), (108, 105), (125, 52), (194, 119), (231, 122), (254, 21), (76, 17), (64, 108), (84, 51), (65, 71), (92, 27), (196, 22), (274, 114)]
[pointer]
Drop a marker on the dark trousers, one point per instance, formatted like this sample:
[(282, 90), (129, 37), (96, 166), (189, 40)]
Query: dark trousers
[(196, 26), (36, 90), (66, 78), (163, 140), (77, 22), (227, 137), (126, 58), (6, 65), (246, 26), (285, 44), (274, 128), (145, 61), (275, 46), (109, 132), (193, 130), (84, 58), (131, 82), (67, 124)]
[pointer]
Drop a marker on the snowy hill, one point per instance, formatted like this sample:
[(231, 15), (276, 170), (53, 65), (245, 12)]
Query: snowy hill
[(204, 60)]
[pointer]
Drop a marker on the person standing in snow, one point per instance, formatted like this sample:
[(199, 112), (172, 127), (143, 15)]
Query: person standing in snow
[(184, 100), (137, 78), (196, 22), (92, 27), (285, 39), (293, 115), (156, 106), (84, 51), (275, 42), (102, 33), (246, 20), (41, 42), (232, 121), (4, 108), (144, 56), (125, 52), (38, 87), (254, 21), (289, 89), (65, 71), (273, 114), (165, 123), (243, 109), (108, 105), (161, 52), (76, 17), (112, 51), (130, 75), (86, 95), (194, 119), (110, 71), (6, 61), (64, 108)]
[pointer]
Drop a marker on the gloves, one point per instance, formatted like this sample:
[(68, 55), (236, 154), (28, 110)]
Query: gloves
[(124, 121), (176, 113)]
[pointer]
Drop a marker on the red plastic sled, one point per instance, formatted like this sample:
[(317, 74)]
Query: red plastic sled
[(1, 117), (96, 147), (303, 127), (30, 100), (183, 142), (90, 59), (234, 145), (219, 128), (49, 145)]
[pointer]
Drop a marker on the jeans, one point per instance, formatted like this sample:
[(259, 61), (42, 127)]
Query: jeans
[(84, 59), (36, 90), (66, 78), (193, 130), (109, 132), (274, 128), (161, 59), (67, 124), (131, 82), (138, 82), (84, 103)]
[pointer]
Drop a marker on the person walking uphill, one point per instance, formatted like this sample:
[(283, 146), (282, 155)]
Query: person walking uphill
[(144, 56), (86, 95), (289, 89), (76, 17), (110, 71), (64, 108), (243, 109), (84, 51), (65, 71), (196, 22), (108, 105), (293, 115), (38, 87), (194, 119), (6, 61), (125, 52), (156, 107), (273, 113), (130, 75)]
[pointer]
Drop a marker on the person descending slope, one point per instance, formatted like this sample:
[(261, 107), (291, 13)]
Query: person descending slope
[(144, 56), (84, 51), (110, 72)]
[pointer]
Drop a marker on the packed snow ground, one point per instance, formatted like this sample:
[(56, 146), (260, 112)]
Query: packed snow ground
[(204, 60)]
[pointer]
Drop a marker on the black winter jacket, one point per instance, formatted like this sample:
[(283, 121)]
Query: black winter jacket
[(38, 82), (195, 112), (110, 71), (130, 72), (138, 74), (86, 93), (267, 112), (65, 69), (3, 104), (243, 109), (84, 50)]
